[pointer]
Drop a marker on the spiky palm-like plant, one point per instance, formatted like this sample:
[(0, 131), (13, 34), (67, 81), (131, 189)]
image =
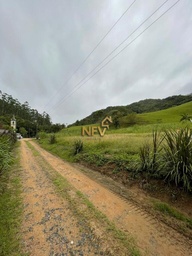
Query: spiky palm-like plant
[(185, 117), (150, 154), (177, 157)]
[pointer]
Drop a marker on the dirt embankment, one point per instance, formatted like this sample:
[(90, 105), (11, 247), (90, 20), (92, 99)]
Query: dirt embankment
[(50, 228)]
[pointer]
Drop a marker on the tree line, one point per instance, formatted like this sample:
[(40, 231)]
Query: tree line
[(29, 120)]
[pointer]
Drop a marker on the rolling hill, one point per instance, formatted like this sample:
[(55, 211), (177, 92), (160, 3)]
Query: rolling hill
[(144, 106), (170, 115)]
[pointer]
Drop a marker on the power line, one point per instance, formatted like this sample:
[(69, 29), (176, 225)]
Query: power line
[(81, 64), (80, 85), (120, 51)]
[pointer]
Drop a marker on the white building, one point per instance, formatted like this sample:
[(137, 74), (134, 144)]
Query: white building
[(13, 123)]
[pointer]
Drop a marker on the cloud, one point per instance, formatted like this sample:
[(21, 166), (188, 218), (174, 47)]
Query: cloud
[(43, 43)]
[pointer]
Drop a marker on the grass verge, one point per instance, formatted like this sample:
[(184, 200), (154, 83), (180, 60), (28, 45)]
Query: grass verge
[(10, 211), (172, 212)]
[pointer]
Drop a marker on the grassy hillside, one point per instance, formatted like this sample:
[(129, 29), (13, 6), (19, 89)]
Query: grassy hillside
[(145, 123), (170, 115), (120, 141), (143, 106)]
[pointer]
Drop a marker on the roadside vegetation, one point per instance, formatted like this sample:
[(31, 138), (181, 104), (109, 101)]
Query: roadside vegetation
[(172, 212), (163, 153), (10, 200), (7, 142), (156, 157)]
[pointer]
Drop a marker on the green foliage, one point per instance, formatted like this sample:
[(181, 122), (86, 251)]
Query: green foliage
[(170, 115), (149, 154), (169, 157), (27, 118), (77, 147), (131, 119), (124, 161), (5, 153), (145, 157), (143, 106), (185, 117), (52, 139), (168, 210), (137, 149), (42, 135), (10, 213), (166, 117), (93, 158), (116, 122), (177, 158), (23, 131), (55, 128), (151, 105)]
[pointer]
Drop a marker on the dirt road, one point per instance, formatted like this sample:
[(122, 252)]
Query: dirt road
[(50, 226)]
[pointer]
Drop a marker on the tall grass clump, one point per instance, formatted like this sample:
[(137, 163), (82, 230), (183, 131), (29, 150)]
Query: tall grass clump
[(149, 154), (145, 157), (77, 147), (5, 153), (177, 157), (52, 139)]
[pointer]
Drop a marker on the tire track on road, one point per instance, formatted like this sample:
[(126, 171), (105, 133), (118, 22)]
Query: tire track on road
[(49, 226), (153, 236)]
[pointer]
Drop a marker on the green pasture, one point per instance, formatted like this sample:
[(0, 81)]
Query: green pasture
[(110, 144), (119, 147), (170, 115), (160, 120), (121, 143), (133, 148)]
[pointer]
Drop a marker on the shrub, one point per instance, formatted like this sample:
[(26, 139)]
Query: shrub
[(42, 135), (52, 139), (78, 147), (177, 157)]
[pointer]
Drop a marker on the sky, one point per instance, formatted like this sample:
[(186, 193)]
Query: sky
[(70, 58)]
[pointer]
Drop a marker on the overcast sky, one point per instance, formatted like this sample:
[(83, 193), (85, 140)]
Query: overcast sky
[(44, 45)]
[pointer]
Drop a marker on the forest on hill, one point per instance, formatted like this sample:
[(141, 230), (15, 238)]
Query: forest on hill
[(143, 106), (29, 120)]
